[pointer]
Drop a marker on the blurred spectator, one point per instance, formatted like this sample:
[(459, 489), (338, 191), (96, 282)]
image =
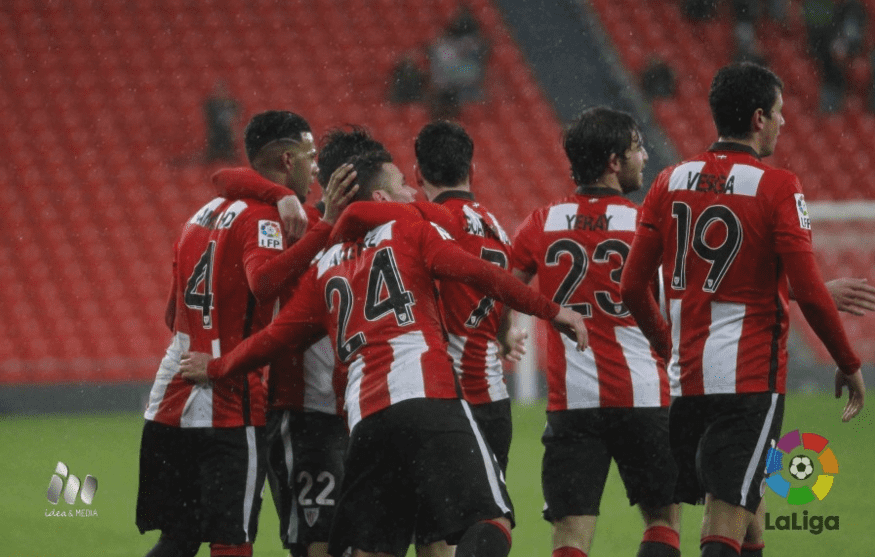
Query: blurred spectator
[(221, 111), (699, 10), (408, 80), (836, 32), (747, 47), (457, 63), (657, 79), (746, 14)]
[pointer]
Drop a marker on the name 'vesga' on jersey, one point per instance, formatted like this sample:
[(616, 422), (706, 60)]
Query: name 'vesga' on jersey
[(742, 179), (208, 218), (566, 217)]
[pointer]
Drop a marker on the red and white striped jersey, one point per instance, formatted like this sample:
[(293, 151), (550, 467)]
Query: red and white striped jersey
[(472, 319), (723, 219), (300, 379), (375, 295), (577, 248), (215, 310), (378, 298)]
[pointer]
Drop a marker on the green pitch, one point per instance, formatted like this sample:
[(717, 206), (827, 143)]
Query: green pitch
[(105, 446)]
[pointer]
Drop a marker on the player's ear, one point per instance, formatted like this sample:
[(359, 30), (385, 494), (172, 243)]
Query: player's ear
[(758, 120), (418, 175), (613, 163), (380, 195)]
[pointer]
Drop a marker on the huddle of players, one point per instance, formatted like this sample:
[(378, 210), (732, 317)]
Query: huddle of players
[(417, 467)]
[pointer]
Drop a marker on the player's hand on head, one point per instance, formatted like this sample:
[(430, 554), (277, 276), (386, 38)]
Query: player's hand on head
[(193, 367), (513, 344), (339, 192), (571, 324), (293, 217), (852, 295), (856, 392)]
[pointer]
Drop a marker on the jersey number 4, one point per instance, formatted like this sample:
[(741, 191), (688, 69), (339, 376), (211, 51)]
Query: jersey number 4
[(385, 295), (199, 289)]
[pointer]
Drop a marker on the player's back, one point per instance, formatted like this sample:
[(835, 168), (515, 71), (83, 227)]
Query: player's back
[(383, 316), (724, 219), (215, 311), (472, 319), (577, 247)]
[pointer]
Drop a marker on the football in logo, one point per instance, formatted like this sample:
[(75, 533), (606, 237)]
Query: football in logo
[(801, 467), (807, 452)]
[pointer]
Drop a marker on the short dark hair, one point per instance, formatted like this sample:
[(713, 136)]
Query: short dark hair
[(444, 151), (340, 144), (593, 137), (270, 126), (368, 166), (737, 91)]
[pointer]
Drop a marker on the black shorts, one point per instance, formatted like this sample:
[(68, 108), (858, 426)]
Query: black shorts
[(721, 442), (201, 484), (420, 465), (305, 470), (496, 425), (579, 446)]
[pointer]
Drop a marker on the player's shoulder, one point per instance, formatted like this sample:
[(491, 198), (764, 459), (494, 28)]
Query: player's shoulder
[(221, 213), (313, 214)]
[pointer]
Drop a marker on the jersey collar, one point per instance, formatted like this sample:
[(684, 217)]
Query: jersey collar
[(453, 194), (733, 146), (596, 191)]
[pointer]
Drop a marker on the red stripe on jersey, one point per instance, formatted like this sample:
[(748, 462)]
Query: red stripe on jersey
[(615, 381), (214, 258), (724, 221), (472, 318), (577, 248)]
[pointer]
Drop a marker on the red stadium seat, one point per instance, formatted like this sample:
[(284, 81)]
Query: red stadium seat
[(127, 130)]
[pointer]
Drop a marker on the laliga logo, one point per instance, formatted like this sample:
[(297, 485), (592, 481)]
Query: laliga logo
[(801, 467), (807, 451)]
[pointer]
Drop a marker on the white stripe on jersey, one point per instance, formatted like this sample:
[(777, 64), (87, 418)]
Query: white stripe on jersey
[(378, 235), (251, 476), (205, 214), (720, 355), (353, 403), (621, 217), (493, 472), (456, 349), (674, 365), (685, 176), (405, 379), (289, 457), (495, 373), (745, 179), (560, 216), (761, 445), (169, 367), (198, 411), (494, 370), (318, 377), (642, 367), (581, 378)]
